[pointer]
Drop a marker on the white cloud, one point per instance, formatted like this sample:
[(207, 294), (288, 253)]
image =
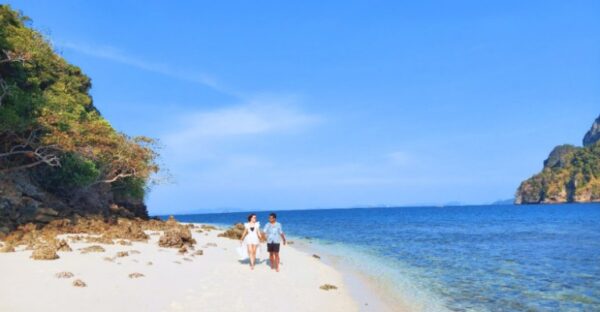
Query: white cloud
[(115, 55), (204, 131)]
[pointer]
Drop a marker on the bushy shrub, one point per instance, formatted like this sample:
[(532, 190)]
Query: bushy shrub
[(75, 172), (130, 187)]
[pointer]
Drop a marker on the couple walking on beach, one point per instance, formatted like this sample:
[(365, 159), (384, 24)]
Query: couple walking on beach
[(273, 234)]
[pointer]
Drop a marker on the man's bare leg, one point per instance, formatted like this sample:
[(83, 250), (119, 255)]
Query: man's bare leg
[(271, 260)]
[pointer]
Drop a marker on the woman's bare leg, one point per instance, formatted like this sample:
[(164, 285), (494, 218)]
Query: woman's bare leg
[(251, 256)]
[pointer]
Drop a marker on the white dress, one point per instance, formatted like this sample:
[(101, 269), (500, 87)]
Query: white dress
[(252, 236)]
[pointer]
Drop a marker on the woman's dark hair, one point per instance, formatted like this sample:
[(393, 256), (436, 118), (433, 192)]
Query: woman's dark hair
[(274, 215), (250, 216)]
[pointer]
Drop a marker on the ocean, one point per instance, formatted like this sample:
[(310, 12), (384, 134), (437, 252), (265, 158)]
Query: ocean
[(464, 258)]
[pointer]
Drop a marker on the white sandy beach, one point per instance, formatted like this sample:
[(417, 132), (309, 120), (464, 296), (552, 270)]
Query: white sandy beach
[(214, 281)]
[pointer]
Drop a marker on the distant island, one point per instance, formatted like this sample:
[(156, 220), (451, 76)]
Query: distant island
[(502, 202), (571, 174)]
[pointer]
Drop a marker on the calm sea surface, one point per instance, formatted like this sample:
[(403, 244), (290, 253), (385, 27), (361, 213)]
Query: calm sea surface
[(475, 258)]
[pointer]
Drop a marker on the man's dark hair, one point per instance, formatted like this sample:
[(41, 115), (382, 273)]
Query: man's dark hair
[(274, 215)]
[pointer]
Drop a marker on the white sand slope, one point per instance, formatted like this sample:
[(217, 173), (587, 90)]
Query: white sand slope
[(215, 281)]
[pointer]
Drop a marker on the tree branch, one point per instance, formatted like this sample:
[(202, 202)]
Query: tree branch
[(115, 178), (33, 164), (42, 154)]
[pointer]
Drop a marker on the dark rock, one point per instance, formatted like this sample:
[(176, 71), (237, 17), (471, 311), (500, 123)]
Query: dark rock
[(593, 135), (23, 200), (328, 287), (559, 156)]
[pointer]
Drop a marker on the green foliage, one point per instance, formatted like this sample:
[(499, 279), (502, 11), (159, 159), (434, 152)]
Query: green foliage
[(130, 187), (50, 97), (75, 172)]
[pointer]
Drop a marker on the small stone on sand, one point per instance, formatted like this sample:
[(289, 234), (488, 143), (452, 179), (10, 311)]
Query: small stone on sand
[(79, 283), (136, 275), (62, 245), (64, 275), (328, 287), (7, 248), (121, 254), (93, 248)]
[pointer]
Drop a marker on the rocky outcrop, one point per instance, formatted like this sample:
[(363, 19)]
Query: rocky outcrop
[(235, 232), (44, 252), (593, 135), (93, 248), (176, 235), (570, 174), (23, 201), (176, 238)]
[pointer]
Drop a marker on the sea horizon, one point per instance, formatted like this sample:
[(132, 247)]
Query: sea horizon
[(211, 211)]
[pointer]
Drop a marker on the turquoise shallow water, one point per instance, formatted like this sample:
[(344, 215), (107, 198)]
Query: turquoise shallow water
[(475, 258)]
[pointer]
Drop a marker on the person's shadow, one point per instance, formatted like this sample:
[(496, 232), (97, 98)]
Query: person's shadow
[(258, 261)]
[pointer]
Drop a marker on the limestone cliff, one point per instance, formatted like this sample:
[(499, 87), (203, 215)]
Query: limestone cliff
[(592, 136), (570, 174)]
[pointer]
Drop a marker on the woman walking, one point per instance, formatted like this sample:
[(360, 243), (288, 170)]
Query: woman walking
[(251, 238)]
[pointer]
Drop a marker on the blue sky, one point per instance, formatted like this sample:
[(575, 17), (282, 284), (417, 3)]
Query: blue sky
[(281, 105)]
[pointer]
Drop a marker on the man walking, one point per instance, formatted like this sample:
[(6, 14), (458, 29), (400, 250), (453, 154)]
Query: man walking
[(274, 235)]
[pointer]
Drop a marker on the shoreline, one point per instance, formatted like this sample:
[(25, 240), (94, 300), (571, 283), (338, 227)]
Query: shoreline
[(141, 276), (363, 288)]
